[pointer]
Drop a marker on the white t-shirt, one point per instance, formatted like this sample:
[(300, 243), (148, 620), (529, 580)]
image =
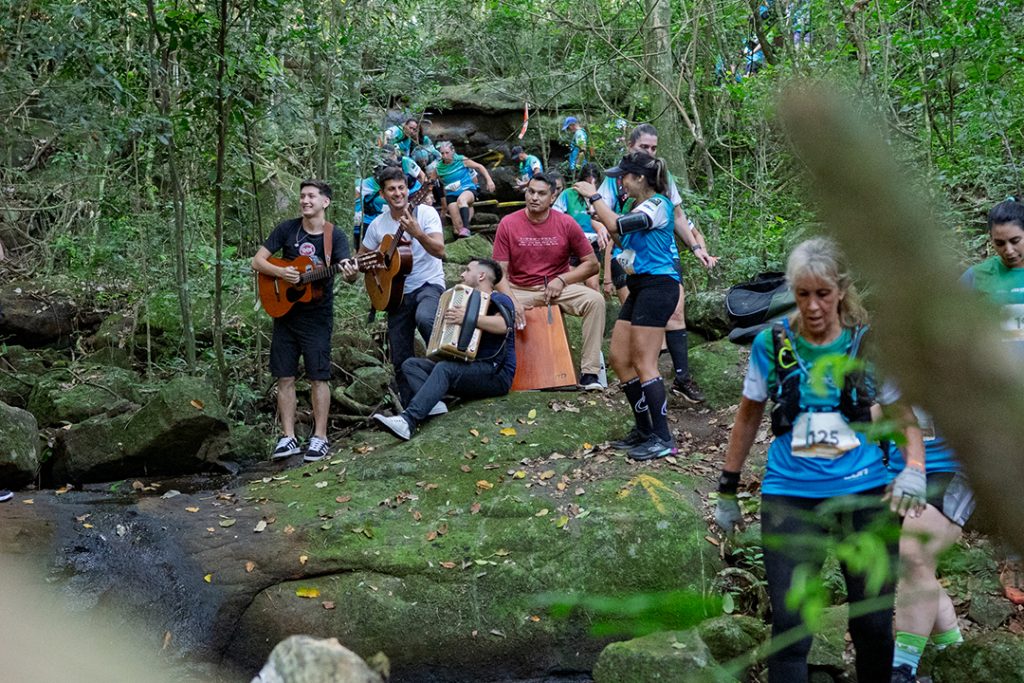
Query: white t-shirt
[(425, 268)]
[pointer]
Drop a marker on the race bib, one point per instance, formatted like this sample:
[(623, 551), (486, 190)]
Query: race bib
[(822, 435), (1013, 323), (451, 187), (625, 259)]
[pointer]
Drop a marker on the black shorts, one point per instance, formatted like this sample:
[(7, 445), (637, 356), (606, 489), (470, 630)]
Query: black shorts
[(950, 494), (452, 198), (652, 300), (306, 333)]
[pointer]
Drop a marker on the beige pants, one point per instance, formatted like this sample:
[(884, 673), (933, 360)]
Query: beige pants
[(578, 300)]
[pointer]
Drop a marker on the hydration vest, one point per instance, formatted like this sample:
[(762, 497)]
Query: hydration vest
[(792, 396)]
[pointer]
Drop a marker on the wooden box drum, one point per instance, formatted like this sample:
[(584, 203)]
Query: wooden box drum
[(543, 359)]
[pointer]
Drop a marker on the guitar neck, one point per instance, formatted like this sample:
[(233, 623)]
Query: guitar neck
[(318, 274)]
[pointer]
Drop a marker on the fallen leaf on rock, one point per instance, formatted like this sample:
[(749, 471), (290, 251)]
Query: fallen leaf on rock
[(167, 640), (227, 522), (474, 432), (474, 508), (170, 494), (448, 565), (466, 468), (29, 501), (547, 474), (485, 440), (417, 515), (587, 446), (307, 592), (442, 530), (342, 499), (321, 484), (534, 618), (327, 526), (249, 567), (712, 540), (82, 518), (542, 513), (87, 526), (507, 431), (429, 487), (328, 604), (196, 403), (138, 485), (560, 486), (210, 529), (289, 529), (579, 492), (64, 489), (519, 474), (532, 414), (303, 559), (208, 578), (485, 485), (496, 632), (260, 526), (562, 521), (431, 535)]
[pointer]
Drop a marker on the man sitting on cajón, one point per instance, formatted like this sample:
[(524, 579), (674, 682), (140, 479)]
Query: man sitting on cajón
[(489, 375), (533, 245)]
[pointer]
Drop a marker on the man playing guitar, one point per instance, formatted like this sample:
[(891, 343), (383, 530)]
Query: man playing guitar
[(421, 225), (306, 329)]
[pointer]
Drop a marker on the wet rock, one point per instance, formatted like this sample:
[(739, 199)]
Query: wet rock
[(19, 447), (115, 331), (33, 316), (465, 250), (666, 656), (989, 610), (303, 659), (180, 430), (73, 395), (996, 656)]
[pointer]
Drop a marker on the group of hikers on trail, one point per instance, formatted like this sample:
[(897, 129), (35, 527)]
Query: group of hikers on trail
[(621, 227)]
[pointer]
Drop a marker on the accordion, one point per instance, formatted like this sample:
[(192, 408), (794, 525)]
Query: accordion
[(458, 341)]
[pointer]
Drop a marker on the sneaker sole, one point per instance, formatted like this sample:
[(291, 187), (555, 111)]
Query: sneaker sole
[(686, 396), (591, 387), (654, 456), (5, 498), (386, 426), (313, 458), (286, 454)]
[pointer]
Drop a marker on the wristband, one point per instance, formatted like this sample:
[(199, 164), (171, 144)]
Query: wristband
[(728, 483), (564, 283), (594, 198), (695, 248)]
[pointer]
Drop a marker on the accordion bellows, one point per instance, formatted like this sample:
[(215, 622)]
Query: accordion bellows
[(458, 341)]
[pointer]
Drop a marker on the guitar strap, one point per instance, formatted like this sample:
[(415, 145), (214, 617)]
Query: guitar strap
[(328, 242)]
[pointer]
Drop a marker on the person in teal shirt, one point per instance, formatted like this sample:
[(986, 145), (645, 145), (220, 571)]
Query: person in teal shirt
[(578, 144), (571, 202), (455, 173), (529, 166), (409, 138)]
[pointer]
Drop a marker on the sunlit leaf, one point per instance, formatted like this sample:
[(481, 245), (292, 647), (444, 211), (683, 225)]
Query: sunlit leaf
[(307, 592)]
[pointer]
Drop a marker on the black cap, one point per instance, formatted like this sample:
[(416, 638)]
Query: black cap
[(625, 166), (516, 151)]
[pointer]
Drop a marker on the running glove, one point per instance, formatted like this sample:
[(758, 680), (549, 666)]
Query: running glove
[(907, 491), (727, 514)]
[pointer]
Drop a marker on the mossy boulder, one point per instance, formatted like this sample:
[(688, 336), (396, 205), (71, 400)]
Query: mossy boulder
[(67, 397), (369, 384), (718, 367), (465, 528), (465, 250), (19, 447), (732, 636), (996, 656), (34, 316), (664, 656), (829, 644), (115, 331), (180, 430), (705, 313)]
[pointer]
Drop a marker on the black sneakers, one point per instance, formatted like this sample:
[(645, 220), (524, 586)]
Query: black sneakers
[(317, 449), (588, 382), (654, 447), (631, 440), (688, 389), (287, 446)]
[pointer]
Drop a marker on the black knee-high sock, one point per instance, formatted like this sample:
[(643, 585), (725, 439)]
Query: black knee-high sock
[(635, 395), (464, 213), (675, 340), (654, 392)]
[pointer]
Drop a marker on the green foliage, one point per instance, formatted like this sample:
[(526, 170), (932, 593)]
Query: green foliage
[(639, 614)]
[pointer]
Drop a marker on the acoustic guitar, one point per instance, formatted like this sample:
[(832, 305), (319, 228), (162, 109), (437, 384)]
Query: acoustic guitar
[(385, 270), (278, 295)]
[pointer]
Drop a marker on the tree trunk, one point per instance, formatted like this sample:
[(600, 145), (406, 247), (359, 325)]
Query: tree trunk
[(160, 82), (666, 114), (218, 203)]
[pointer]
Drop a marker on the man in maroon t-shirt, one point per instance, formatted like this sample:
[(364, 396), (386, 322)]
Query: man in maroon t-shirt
[(533, 246)]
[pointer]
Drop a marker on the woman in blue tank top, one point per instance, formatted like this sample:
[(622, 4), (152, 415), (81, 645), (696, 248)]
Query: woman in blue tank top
[(824, 481), (647, 238)]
